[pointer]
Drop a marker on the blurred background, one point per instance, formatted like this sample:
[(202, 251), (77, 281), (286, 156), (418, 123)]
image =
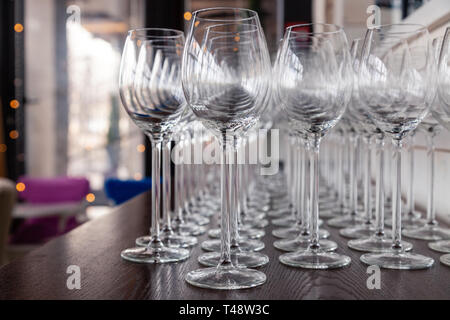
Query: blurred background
[(65, 140)]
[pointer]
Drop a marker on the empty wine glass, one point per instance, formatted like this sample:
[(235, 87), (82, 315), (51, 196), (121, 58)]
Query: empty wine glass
[(441, 112), (396, 86), (314, 86), (150, 89), (430, 230), (226, 84)]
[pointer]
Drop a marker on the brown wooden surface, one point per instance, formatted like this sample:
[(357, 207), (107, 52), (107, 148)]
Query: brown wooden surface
[(95, 248)]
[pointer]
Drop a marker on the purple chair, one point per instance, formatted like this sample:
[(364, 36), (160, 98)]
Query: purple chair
[(49, 208)]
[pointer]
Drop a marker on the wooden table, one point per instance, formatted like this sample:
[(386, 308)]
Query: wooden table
[(96, 245)]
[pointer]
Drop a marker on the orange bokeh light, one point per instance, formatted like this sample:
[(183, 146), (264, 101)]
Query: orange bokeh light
[(90, 197), (18, 27), (20, 187)]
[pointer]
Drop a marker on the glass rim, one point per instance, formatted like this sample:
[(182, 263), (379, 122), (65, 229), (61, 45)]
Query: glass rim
[(196, 13), (174, 33), (338, 28)]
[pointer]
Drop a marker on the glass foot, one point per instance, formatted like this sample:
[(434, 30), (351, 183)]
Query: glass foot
[(376, 244), (202, 210), (302, 244), (428, 232), (255, 223), (170, 240), (445, 259), (440, 246), (291, 233), (345, 221), (287, 222), (189, 229), (314, 259), (274, 213), (155, 255), (241, 259), (398, 260), (408, 223), (225, 278), (328, 214), (362, 231), (244, 233), (196, 219), (244, 245)]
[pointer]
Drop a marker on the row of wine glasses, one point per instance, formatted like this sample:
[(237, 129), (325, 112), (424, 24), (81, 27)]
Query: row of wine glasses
[(402, 54), (221, 79)]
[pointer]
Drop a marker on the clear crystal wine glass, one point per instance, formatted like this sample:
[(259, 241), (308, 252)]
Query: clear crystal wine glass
[(226, 83), (441, 112), (150, 89), (396, 85), (314, 85), (430, 230), (365, 127)]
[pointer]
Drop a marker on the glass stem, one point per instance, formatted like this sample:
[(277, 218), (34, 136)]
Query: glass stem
[(411, 205), (225, 259), (379, 201), (396, 196), (295, 210), (156, 187), (367, 184), (341, 177), (303, 190), (431, 213), (314, 192), (234, 203), (178, 193), (353, 182), (167, 185)]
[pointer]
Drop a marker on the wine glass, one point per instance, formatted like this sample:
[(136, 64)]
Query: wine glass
[(150, 89), (430, 230), (223, 40), (441, 112), (226, 84), (365, 127), (314, 85), (396, 86)]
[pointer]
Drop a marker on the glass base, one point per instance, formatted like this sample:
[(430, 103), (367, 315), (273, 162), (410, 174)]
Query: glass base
[(249, 233), (376, 244), (291, 233), (314, 259), (196, 219), (202, 210), (254, 223), (302, 244), (258, 207), (287, 222), (345, 221), (398, 260), (255, 215), (362, 231), (154, 255), (428, 232), (241, 259), (445, 259), (170, 240), (225, 278), (328, 214), (284, 212), (440, 246), (408, 223), (189, 229), (244, 245)]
